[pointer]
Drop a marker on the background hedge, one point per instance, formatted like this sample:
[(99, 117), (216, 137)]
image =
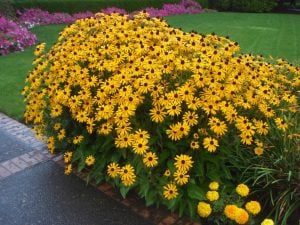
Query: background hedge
[(72, 6), (243, 5)]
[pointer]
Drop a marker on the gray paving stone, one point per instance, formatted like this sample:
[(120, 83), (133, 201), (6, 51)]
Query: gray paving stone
[(4, 172), (11, 167), (29, 159), (20, 163), (10, 146)]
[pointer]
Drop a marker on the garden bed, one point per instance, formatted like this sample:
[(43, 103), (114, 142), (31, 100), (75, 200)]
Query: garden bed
[(176, 124)]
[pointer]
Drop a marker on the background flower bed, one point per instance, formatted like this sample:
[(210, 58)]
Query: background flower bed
[(87, 136), (35, 16), (14, 37)]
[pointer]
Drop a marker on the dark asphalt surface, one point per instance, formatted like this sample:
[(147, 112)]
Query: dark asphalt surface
[(11, 147), (44, 195)]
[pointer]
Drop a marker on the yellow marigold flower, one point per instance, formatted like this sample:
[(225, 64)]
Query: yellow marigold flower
[(170, 191), (196, 136), (141, 134), (150, 159), (191, 118), (68, 156), (77, 139), (39, 49), (181, 177), (204, 209), (281, 124), (212, 195), (194, 145), (68, 169), (57, 126), (51, 144), (123, 141), (242, 190), (167, 173), (241, 216), (157, 114), (253, 207), (262, 128), (173, 108), (267, 222), (140, 146), (61, 135), (258, 151), (210, 144), (230, 211), (217, 126), (127, 175), (213, 186), (246, 139), (105, 129), (183, 162), (178, 130), (113, 170), (90, 160)]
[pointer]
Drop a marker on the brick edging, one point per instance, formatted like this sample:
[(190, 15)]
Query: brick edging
[(22, 162), (159, 216)]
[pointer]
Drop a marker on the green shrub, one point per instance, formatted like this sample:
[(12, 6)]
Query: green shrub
[(222, 5), (244, 5), (275, 174), (73, 6), (7, 9), (144, 106), (203, 3), (252, 5)]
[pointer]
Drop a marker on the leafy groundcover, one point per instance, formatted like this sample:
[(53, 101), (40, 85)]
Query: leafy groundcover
[(182, 118)]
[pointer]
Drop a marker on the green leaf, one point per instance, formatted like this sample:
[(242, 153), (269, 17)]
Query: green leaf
[(163, 156), (81, 165), (195, 192), (108, 143), (150, 197), (124, 190), (213, 171), (171, 146), (192, 205), (182, 207), (99, 178), (144, 188), (171, 204)]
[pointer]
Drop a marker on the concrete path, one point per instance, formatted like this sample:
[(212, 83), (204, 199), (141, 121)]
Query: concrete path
[(34, 189)]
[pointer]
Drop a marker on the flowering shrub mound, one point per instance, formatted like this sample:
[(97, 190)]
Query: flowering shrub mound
[(142, 105), (14, 37)]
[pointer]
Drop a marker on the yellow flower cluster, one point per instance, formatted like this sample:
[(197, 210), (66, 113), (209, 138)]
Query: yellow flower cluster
[(137, 80), (243, 190), (267, 222), (204, 209), (213, 195), (126, 173), (240, 215), (104, 68)]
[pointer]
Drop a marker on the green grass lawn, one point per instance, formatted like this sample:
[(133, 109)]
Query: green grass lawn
[(267, 34)]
